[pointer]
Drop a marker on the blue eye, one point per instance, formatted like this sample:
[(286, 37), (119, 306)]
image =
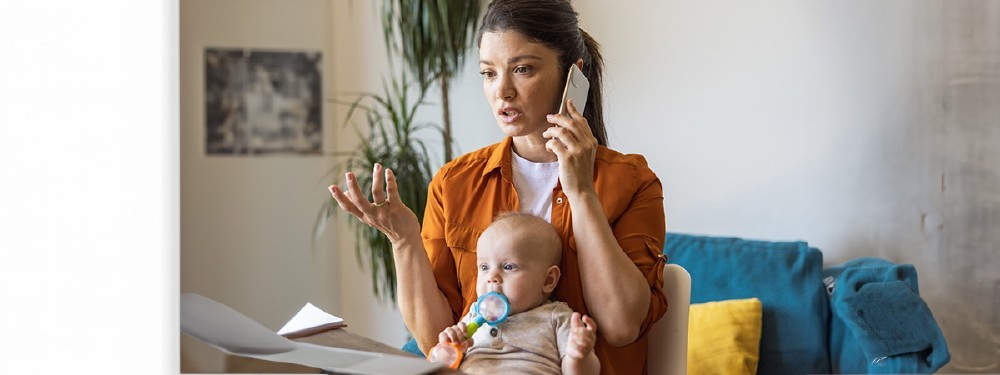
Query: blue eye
[(508, 267), (483, 267)]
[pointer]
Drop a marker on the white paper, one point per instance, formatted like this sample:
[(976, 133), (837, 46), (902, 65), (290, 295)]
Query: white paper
[(309, 317), (231, 332)]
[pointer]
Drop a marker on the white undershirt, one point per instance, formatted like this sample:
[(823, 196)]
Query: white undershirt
[(534, 183)]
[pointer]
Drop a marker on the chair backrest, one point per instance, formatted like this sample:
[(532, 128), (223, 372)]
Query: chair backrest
[(668, 337)]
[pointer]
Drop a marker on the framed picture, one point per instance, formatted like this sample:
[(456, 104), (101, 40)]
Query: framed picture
[(263, 102)]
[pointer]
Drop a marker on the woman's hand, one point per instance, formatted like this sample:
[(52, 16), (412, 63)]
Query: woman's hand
[(387, 213), (576, 147), (424, 307)]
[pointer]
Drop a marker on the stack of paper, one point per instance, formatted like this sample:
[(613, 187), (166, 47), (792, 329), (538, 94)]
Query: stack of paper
[(310, 320), (228, 330)]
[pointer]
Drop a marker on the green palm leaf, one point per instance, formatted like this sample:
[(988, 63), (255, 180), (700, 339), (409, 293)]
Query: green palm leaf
[(431, 38)]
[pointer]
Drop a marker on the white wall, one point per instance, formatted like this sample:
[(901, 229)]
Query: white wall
[(866, 128)]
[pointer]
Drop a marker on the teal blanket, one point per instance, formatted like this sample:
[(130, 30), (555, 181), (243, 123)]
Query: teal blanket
[(880, 324)]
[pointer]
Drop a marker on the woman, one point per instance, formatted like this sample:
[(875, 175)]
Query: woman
[(607, 207)]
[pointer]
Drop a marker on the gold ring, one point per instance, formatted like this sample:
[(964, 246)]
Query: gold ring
[(385, 202)]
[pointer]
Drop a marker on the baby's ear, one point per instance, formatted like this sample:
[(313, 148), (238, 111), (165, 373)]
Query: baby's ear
[(551, 278)]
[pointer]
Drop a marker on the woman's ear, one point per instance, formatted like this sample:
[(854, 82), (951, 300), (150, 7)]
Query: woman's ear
[(579, 63), (551, 278)]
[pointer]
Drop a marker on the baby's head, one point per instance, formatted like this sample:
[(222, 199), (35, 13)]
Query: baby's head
[(518, 255)]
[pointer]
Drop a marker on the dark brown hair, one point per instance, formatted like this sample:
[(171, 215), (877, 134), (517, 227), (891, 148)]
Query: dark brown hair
[(554, 23)]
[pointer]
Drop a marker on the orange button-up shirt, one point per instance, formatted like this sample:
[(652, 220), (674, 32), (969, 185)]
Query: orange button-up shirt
[(468, 192)]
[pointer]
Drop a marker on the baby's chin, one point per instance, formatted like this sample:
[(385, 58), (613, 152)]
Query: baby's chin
[(516, 307)]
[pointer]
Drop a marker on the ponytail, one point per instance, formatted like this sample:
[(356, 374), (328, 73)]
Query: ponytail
[(593, 68)]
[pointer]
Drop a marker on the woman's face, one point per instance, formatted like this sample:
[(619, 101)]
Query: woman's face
[(521, 80)]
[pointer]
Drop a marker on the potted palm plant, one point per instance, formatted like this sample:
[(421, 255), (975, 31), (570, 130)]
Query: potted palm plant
[(431, 38)]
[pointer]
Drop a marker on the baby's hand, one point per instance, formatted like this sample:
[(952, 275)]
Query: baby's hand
[(582, 336), (456, 334)]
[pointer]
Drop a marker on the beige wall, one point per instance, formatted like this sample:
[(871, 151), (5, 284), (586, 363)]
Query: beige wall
[(246, 221)]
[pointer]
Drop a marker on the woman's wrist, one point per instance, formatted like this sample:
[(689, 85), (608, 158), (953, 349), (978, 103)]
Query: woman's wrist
[(581, 196), (405, 241)]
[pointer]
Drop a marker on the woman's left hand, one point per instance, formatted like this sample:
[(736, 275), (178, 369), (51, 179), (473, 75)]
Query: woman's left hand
[(576, 147)]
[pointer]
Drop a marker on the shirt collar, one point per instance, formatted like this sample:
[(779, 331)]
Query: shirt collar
[(500, 158)]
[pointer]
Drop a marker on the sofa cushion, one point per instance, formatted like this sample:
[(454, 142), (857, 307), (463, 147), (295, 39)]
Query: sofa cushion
[(724, 337), (785, 276), (412, 348)]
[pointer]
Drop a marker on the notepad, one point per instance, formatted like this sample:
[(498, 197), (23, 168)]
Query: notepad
[(310, 320)]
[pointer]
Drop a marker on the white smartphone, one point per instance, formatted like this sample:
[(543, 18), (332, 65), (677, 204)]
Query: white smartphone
[(577, 88)]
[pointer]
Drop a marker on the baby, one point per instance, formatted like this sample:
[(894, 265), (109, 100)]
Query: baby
[(518, 256)]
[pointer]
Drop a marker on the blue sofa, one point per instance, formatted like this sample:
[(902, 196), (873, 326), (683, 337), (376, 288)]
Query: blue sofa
[(863, 316)]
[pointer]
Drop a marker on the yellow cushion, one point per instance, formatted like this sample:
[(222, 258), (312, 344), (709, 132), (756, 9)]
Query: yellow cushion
[(724, 337)]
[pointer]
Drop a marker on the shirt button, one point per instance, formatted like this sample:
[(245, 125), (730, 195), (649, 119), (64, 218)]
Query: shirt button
[(493, 332), (559, 200)]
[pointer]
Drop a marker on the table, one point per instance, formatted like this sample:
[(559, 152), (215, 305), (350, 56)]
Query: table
[(339, 338)]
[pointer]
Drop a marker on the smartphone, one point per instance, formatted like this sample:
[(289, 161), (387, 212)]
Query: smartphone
[(577, 88)]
